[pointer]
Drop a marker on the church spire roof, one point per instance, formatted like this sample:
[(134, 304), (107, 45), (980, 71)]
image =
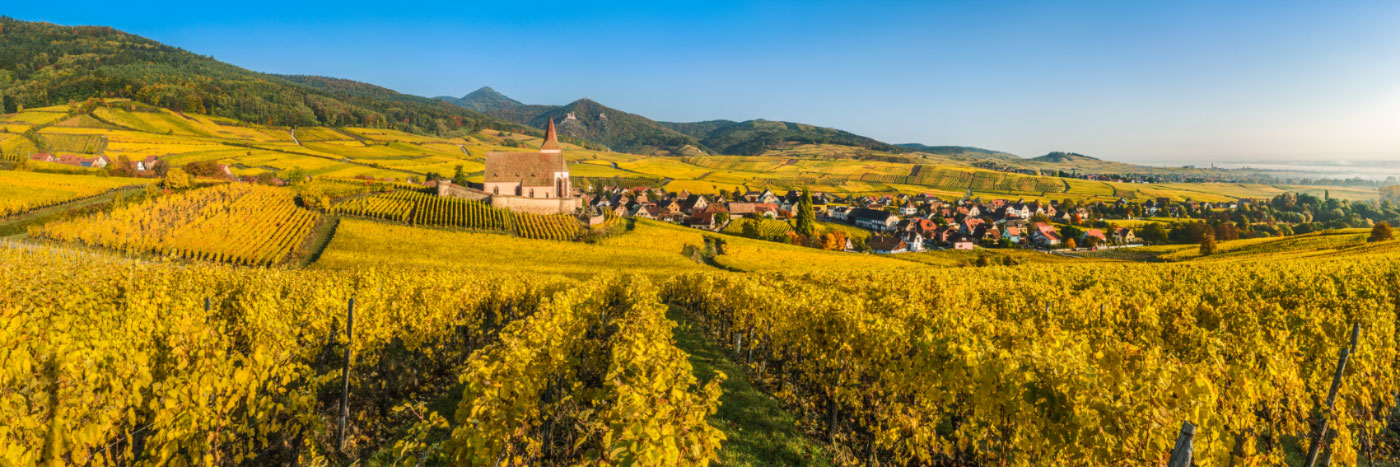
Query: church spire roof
[(551, 139)]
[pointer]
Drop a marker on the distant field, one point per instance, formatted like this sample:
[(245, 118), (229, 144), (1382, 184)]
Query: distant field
[(1318, 244), (748, 255), (996, 256), (25, 191), (135, 130), (652, 249)]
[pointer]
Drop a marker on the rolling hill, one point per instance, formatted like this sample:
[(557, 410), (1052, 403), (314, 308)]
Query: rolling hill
[(1059, 157), (44, 64), (961, 152), (623, 131), (754, 137), (620, 131)]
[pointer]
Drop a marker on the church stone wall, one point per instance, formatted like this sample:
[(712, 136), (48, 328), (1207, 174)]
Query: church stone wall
[(458, 191), (537, 205)]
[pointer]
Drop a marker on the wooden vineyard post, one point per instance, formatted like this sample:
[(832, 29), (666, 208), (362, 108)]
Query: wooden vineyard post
[(345, 377), (1181, 454), (1320, 435)]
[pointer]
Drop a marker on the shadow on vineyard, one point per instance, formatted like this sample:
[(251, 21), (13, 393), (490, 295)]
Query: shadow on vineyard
[(760, 430), (317, 242)]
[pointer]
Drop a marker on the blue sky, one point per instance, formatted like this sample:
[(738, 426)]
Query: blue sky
[(1180, 81)]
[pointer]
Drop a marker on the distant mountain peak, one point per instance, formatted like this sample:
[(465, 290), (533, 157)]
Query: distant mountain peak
[(962, 152), (486, 100), (1062, 157)]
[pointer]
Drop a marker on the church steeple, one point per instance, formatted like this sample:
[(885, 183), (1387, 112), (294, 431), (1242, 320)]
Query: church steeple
[(551, 140)]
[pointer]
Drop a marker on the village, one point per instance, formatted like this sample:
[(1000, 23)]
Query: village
[(539, 182), (902, 223)]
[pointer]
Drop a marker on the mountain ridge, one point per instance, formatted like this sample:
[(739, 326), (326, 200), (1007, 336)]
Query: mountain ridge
[(43, 64), (630, 132)]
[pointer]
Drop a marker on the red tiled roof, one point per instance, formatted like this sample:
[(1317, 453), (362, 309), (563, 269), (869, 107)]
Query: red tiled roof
[(531, 169), (551, 139)]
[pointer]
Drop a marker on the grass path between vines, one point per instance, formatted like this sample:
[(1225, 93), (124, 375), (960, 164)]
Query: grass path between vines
[(19, 224), (759, 430)]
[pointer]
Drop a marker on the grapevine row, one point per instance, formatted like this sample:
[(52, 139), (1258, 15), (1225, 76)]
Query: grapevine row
[(1081, 365), (236, 223), (601, 358), (131, 368), (430, 210)]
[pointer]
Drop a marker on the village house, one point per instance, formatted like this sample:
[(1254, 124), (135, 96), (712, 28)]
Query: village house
[(1012, 234), (988, 233), (1124, 236), (838, 213), (738, 209), (1095, 234), (914, 241), (964, 243), (1044, 235), (693, 203), (884, 244), (72, 159), (873, 219), (915, 224), (143, 165)]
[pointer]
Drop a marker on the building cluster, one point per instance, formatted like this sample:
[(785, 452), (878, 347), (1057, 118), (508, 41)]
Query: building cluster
[(900, 223), (94, 162)]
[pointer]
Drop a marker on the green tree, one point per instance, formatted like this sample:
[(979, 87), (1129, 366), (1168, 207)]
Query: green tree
[(806, 217), (1071, 232), (1208, 246), (721, 218), (177, 179), (1153, 233), (750, 228), (460, 176), (298, 176), (1382, 232)]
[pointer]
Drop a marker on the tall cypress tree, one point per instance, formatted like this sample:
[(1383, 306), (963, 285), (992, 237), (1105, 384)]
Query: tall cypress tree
[(806, 218)]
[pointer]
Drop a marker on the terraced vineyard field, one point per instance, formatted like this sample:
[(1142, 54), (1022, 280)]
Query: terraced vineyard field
[(27, 191), (417, 208), (773, 229), (235, 223)]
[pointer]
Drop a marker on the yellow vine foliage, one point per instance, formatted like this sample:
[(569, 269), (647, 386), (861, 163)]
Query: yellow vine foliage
[(101, 352), (1069, 365), (236, 223), (595, 377), (424, 209), (26, 191)]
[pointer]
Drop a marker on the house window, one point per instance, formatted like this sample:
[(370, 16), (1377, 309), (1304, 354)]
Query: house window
[(532, 193), (497, 190)]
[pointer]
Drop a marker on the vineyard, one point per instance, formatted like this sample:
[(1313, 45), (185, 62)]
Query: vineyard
[(423, 209), (1084, 365), (771, 229), (27, 191), (237, 223), (205, 364)]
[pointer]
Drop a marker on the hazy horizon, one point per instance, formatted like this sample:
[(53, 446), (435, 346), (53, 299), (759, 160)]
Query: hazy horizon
[(1186, 82)]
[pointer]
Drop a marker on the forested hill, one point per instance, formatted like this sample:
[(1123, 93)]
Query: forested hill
[(45, 64), (963, 152), (623, 131), (754, 137)]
